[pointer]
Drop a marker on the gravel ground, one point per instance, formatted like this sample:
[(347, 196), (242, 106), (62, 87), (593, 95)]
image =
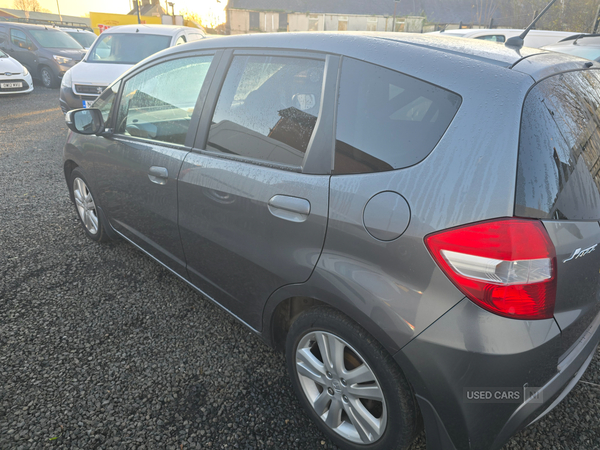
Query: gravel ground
[(102, 348)]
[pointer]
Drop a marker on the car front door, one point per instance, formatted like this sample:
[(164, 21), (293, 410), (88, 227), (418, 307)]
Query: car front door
[(22, 49), (138, 173), (253, 193)]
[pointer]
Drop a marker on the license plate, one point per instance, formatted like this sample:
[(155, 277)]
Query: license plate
[(11, 85), (87, 103)]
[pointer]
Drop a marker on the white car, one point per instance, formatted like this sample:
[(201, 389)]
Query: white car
[(14, 78), (114, 52), (535, 38)]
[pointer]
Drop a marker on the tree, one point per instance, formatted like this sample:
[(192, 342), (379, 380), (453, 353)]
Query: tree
[(29, 5), (485, 11)]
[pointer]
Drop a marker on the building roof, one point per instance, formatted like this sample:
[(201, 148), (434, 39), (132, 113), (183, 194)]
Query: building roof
[(20, 14), (148, 10), (440, 11)]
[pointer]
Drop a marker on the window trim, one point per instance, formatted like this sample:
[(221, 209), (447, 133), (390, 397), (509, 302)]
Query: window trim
[(216, 54), (313, 163)]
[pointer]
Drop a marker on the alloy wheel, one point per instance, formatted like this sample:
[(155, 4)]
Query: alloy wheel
[(341, 387), (85, 205), (46, 78)]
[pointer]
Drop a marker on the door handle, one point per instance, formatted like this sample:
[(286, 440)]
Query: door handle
[(289, 208), (158, 175)]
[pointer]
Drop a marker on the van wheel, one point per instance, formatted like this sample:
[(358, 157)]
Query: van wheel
[(49, 80), (349, 384)]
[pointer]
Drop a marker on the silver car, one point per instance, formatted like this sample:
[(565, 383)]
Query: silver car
[(413, 220)]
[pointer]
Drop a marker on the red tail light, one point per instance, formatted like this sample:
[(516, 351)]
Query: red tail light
[(506, 266)]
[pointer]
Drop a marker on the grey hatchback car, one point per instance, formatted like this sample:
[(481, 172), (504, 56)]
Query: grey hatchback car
[(413, 220)]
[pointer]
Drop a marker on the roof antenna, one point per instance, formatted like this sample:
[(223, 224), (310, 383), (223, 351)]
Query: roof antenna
[(517, 41)]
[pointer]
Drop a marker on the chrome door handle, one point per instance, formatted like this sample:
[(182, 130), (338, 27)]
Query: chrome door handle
[(158, 175), (289, 208)]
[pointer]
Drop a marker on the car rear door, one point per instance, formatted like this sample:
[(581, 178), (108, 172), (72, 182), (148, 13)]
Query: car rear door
[(253, 193), (558, 181), (155, 126)]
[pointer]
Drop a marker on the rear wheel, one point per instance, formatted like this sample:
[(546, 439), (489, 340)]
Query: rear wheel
[(49, 80), (348, 384)]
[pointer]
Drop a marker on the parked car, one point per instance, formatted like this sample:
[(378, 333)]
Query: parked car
[(584, 46), (535, 38), (84, 37), (14, 78), (46, 52), (116, 50), (411, 249)]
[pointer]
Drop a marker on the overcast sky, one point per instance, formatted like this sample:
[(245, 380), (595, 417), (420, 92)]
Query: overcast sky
[(81, 7)]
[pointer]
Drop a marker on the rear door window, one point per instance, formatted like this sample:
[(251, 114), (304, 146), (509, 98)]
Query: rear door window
[(558, 172), (268, 108), (387, 120), (158, 103)]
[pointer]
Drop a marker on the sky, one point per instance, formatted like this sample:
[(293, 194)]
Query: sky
[(204, 8)]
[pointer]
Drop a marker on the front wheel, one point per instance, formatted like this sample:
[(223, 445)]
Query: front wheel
[(49, 80), (348, 384), (86, 207)]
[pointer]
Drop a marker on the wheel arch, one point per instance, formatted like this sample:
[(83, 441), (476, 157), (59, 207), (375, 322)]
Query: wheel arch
[(288, 302)]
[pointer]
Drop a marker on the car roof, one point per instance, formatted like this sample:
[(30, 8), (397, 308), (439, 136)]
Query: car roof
[(166, 30), (31, 26), (362, 42)]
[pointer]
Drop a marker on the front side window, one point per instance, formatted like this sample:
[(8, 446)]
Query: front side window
[(55, 39), (158, 103), (492, 38), (126, 48), (180, 40), (19, 39), (387, 120), (105, 102), (268, 108)]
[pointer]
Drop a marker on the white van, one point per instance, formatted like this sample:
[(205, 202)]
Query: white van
[(535, 38), (114, 52)]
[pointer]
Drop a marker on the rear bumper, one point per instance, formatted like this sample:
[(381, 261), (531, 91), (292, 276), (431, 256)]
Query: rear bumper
[(470, 351)]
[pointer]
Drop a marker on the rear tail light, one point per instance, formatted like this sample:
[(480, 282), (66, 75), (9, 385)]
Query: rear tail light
[(506, 266)]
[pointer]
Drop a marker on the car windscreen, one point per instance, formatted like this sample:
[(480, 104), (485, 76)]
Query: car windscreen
[(126, 48), (85, 39), (54, 39)]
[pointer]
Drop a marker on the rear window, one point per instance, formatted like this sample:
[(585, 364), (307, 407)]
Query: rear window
[(387, 120), (559, 150)]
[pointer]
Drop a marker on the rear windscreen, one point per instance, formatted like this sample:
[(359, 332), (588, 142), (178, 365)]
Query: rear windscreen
[(559, 149)]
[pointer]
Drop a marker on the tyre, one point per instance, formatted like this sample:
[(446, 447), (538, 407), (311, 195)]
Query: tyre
[(348, 384), (86, 207), (48, 78)]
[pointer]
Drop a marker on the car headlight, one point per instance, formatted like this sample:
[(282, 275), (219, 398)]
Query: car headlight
[(66, 79), (25, 71), (62, 59)]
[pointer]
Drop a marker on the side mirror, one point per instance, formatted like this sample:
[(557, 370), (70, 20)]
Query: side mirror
[(85, 121)]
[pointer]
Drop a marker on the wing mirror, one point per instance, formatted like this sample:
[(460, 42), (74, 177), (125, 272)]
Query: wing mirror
[(86, 121)]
